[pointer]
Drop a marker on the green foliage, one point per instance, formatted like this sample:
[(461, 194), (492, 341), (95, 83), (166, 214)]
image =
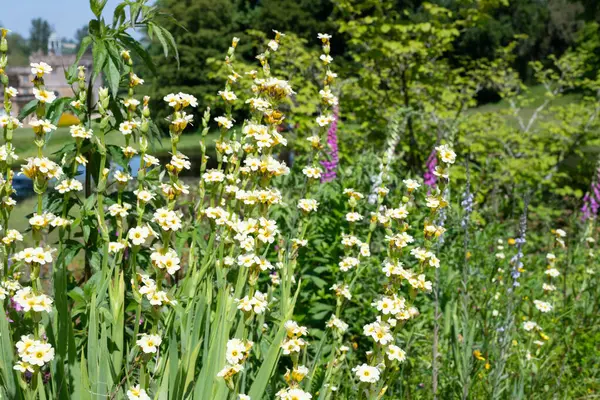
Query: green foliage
[(463, 273), (38, 35)]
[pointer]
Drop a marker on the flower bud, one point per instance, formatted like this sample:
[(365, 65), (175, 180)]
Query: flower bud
[(145, 126), (143, 143), (103, 93), (104, 121)]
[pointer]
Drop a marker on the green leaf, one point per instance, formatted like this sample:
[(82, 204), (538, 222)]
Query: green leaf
[(28, 109), (161, 39), (133, 45), (56, 109), (119, 15), (97, 6), (70, 74), (100, 54), (113, 77), (172, 43), (6, 357)]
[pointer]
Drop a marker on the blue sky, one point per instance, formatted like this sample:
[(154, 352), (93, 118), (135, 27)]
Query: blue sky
[(65, 16)]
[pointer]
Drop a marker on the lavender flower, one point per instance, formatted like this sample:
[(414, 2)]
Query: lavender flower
[(429, 177), (591, 200), (516, 262), (332, 163), (467, 202)]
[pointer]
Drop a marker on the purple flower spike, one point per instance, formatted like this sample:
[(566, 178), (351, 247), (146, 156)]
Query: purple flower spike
[(591, 200), (429, 177), (330, 165)]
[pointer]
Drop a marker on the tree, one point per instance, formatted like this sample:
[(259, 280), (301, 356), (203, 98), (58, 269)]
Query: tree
[(18, 49), (203, 29), (38, 35)]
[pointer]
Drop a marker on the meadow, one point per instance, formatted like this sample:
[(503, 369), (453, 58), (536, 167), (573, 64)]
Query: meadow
[(300, 235)]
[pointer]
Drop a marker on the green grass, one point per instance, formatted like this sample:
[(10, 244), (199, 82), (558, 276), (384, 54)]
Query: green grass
[(536, 95)]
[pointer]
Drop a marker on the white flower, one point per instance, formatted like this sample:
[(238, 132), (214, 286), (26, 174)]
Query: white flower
[(36, 255), (326, 58), (446, 154), (324, 120), (39, 354), (44, 96), (335, 322), (43, 125), (293, 394), (213, 175), (553, 272), (236, 351), (432, 202), (308, 205), (548, 287), (366, 373), (168, 220), (12, 235), (227, 95), (224, 122), (530, 325), (312, 172), (353, 217), (115, 247), (144, 196), (29, 301), (543, 306), (136, 393), (69, 185), (560, 233), (126, 128), (379, 332), (139, 234), (11, 92), (149, 343), (119, 210), (169, 260), (394, 352), (40, 69), (130, 103), (348, 263)]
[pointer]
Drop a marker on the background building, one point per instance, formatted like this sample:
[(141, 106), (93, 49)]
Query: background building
[(60, 58)]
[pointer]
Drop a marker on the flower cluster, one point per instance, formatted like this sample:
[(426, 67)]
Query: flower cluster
[(236, 353), (33, 354)]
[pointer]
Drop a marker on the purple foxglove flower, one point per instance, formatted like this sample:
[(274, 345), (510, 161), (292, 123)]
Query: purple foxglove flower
[(429, 177)]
